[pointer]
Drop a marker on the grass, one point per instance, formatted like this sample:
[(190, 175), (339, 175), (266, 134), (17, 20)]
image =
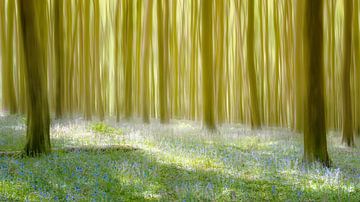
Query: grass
[(175, 162)]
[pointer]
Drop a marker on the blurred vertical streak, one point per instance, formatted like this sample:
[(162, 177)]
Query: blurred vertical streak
[(145, 63), (207, 65), (347, 121), (255, 112)]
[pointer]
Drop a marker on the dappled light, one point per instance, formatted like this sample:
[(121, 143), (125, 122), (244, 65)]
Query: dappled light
[(177, 161)]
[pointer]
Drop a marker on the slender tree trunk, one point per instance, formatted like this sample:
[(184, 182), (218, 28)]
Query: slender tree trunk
[(145, 61), (7, 41), (117, 62), (299, 94), (347, 129), (315, 145), (175, 61), (128, 56), (268, 65), (21, 94), (87, 62), (138, 57), (220, 53), (163, 60), (255, 113), (59, 57), (96, 58), (38, 122), (207, 65)]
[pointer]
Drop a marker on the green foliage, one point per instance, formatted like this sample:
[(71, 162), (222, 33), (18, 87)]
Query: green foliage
[(104, 129)]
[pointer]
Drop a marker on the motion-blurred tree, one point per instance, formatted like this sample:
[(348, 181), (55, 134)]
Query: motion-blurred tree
[(255, 113), (33, 15), (207, 65), (145, 60), (7, 49), (315, 146), (59, 56), (162, 22), (347, 128)]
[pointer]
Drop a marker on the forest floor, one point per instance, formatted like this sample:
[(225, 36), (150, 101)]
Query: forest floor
[(174, 162)]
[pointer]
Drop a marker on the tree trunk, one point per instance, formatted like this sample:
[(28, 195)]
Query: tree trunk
[(117, 62), (38, 120), (347, 129), (163, 61), (59, 57), (207, 65), (7, 36), (145, 67), (356, 55), (299, 91), (255, 113), (315, 146), (220, 60), (128, 33)]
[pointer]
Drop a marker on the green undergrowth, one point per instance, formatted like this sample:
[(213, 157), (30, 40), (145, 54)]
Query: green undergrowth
[(104, 128), (175, 162)]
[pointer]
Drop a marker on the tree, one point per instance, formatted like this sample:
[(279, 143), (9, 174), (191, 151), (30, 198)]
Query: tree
[(96, 58), (255, 112), (220, 59), (7, 33), (86, 40), (59, 57), (117, 61), (163, 60), (347, 129), (128, 33), (145, 60), (207, 65), (299, 94), (356, 55), (315, 147), (38, 119)]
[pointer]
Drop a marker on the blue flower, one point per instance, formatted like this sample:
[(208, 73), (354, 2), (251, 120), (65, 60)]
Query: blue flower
[(77, 189), (273, 189), (56, 198), (79, 169), (299, 193), (106, 177), (43, 194), (210, 186)]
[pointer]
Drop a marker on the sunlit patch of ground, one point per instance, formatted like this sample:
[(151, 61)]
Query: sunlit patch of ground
[(178, 161)]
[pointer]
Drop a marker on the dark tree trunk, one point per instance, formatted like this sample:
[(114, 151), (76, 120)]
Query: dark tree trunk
[(347, 128), (315, 147), (255, 112), (38, 120)]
